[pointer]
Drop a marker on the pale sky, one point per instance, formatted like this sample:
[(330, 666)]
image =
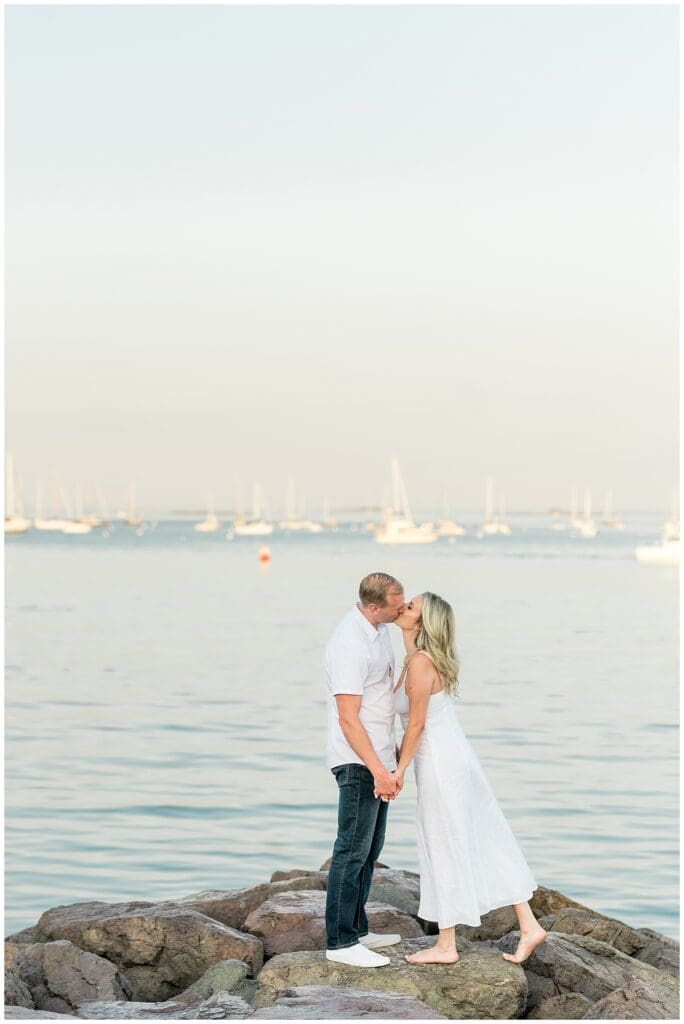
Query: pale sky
[(249, 242)]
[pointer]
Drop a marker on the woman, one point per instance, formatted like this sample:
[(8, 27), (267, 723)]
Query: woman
[(469, 859)]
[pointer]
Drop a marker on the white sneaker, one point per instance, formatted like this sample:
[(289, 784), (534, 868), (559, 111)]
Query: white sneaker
[(357, 956), (373, 940)]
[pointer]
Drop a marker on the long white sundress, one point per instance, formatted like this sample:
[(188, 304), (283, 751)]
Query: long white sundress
[(470, 861)]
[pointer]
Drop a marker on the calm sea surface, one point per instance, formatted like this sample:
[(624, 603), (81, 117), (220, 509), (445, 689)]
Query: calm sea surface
[(165, 709)]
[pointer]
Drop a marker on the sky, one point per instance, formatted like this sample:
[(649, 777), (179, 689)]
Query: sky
[(248, 243)]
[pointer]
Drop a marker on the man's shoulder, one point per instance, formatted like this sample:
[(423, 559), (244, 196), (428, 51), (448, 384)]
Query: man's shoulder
[(347, 629)]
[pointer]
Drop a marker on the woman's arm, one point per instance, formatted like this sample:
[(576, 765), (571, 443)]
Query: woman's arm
[(419, 679)]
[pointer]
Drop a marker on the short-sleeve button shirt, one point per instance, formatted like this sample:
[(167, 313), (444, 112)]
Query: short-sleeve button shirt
[(359, 659)]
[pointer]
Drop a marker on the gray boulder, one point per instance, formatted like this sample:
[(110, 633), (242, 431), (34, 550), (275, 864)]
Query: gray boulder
[(232, 906), (59, 975), (220, 1006), (639, 999), (219, 993), (481, 985), (578, 963), (24, 1013), (162, 947), (329, 1002), (569, 1006), (296, 921), (571, 921), (660, 951), (17, 993)]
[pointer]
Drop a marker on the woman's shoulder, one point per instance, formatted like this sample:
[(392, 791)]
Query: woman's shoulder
[(419, 666)]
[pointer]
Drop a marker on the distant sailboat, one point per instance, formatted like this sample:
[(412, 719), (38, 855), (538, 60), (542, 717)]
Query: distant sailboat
[(256, 526), (493, 524), (41, 522), (77, 524), (608, 518), (446, 527), (398, 526), (328, 519), (575, 521), (587, 526), (130, 516), (211, 523), (667, 551), (292, 521), (15, 522)]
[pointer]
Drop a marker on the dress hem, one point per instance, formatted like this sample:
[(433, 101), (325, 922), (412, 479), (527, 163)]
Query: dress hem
[(473, 924)]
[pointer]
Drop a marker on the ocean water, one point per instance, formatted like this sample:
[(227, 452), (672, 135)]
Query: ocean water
[(165, 709)]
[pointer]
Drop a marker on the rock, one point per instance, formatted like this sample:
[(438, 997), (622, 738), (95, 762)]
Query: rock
[(569, 1006), (227, 976), (162, 947), (232, 906), (639, 999), (59, 975), (401, 889), (326, 865), (578, 963), (328, 1002), (480, 985), (17, 993), (23, 1013), (220, 1006), (660, 951), (26, 937), (296, 921), (219, 993), (284, 876), (549, 901), (606, 929)]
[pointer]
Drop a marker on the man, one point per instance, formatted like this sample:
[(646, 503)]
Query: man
[(361, 753)]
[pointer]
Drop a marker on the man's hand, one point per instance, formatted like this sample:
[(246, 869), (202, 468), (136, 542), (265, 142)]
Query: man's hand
[(385, 784), (399, 785)]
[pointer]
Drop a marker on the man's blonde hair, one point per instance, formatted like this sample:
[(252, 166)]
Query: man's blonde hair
[(374, 588)]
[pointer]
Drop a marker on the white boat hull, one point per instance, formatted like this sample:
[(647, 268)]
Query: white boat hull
[(662, 554), (16, 524), (253, 529)]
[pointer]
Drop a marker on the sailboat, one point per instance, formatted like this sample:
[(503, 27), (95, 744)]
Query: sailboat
[(211, 523), (575, 521), (14, 521), (608, 518), (493, 524), (398, 526), (667, 551), (587, 526), (671, 528), (446, 527), (130, 516), (328, 519), (41, 522), (77, 524), (292, 521), (256, 526)]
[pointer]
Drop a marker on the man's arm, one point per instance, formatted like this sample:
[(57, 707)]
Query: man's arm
[(348, 707)]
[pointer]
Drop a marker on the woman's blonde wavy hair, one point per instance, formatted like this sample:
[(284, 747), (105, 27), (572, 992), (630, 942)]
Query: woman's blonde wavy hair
[(436, 636)]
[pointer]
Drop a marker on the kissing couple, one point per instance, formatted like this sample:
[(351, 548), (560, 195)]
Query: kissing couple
[(470, 862)]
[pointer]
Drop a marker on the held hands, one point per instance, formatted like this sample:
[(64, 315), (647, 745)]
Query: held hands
[(389, 785)]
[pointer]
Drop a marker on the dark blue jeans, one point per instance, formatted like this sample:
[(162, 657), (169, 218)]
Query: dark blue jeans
[(361, 820)]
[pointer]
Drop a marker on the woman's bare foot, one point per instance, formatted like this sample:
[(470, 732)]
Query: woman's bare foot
[(527, 942), (433, 955)]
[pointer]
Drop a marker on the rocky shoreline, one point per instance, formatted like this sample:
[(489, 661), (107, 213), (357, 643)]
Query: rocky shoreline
[(259, 953)]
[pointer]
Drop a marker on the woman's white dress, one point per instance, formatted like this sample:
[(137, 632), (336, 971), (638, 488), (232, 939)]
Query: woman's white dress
[(470, 861)]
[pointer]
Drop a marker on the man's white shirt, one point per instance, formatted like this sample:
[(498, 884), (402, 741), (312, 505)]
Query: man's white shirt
[(359, 659)]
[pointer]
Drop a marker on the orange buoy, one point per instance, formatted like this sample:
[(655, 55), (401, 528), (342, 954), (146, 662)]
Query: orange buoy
[(264, 554)]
